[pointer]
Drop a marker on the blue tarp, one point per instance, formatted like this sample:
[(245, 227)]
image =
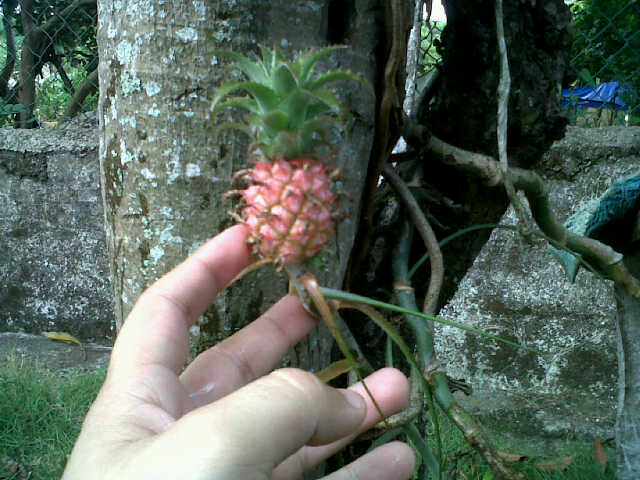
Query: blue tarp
[(604, 95)]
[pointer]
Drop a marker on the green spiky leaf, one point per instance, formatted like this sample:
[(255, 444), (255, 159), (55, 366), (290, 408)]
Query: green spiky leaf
[(285, 143), (297, 106), (284, 82), (308, 61), (318, 109), (291, 108), (265, 97), (255, 71), (335, 76), (271, 58), (275, 122), (327, 98), (244, 128), (238, 102)]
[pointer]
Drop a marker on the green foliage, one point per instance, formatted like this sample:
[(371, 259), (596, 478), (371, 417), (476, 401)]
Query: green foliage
[(290, 108), (41, 413), (429, 55), (606, 44), (52, 98), (72, 42)]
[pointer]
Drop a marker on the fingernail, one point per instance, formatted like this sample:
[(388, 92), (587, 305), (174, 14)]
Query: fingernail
[(354, 399)]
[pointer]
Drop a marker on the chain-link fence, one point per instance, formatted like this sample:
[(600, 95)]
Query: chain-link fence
[(48, 61), (605, 59), (48, 57)]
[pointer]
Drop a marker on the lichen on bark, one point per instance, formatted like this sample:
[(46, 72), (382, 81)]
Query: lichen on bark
[(157, 78)]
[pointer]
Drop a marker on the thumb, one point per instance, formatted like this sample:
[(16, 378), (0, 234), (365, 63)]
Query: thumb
[(256, 427)]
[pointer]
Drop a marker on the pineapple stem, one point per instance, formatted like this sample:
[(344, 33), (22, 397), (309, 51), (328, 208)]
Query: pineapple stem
[(250, 268), (322, 308)]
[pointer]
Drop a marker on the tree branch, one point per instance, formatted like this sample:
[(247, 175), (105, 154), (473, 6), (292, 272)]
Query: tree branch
[(52, 25), (504, 88), (428, 237), (7, 11), (602, 256), (88, 86), (386, 131)]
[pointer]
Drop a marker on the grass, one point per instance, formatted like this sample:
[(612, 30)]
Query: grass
[(572, 460), (41, 413)]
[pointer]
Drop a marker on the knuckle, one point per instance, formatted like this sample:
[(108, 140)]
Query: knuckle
[(306, 383)]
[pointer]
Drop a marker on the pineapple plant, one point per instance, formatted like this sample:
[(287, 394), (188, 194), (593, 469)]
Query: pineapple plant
[(289, 201)]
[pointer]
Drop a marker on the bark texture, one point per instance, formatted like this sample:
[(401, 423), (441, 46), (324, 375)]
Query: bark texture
[(163, 173), (627, 422), (464, 108)]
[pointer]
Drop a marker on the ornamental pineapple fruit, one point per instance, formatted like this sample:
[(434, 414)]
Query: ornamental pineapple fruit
[(289, 202)]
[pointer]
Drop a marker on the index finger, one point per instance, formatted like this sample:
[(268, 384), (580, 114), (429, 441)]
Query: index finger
[(156, 330)]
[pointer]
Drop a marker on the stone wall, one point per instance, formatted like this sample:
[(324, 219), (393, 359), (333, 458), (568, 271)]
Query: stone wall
[(54, 274), (520, 292)]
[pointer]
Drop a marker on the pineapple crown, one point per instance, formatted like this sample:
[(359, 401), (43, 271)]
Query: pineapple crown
[(290, 108)]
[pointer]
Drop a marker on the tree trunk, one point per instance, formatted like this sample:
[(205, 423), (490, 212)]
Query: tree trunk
[(28, 61), (628, 417), (163, 174), (464, 108), (5, 74)]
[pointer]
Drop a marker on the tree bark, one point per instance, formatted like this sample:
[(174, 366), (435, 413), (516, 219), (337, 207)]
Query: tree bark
[(464, 109), (89, 85), (628, 416), (28, 61), (163, 174), (8, 8)]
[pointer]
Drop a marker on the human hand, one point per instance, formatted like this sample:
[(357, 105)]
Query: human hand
[(225, 416)]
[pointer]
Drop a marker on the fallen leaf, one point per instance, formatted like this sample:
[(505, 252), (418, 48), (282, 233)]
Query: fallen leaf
[(66, 338), (512, 457), (62, 337), (556, 464), (599, 454)]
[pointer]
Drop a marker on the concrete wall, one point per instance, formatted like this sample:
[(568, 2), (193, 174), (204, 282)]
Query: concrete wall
[(53, 266), (520, 292)]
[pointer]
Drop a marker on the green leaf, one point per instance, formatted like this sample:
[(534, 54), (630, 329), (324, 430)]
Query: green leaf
[(285, 144), (327, 97), (338, 75), (284, 82), (429, 459), (586, 77), (254, 70), (316, 110), (308, 61), (359, 299), (265, 97), (238, 102), (275, 122), (271, 58), (225, 89), (232, 126), (297, 106)]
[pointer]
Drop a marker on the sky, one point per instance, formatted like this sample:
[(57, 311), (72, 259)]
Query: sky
[(437, 12)]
